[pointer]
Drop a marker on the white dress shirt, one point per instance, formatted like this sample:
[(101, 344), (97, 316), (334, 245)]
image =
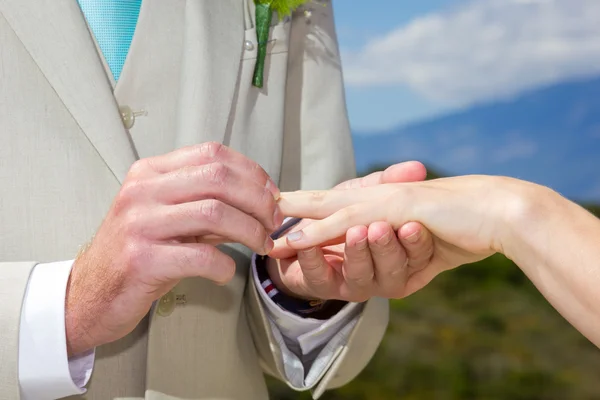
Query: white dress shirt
[(45, 372)]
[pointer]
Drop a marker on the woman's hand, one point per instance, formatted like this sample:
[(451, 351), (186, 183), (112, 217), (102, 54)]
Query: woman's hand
[(372, 262), (553, 240), (467, 217)]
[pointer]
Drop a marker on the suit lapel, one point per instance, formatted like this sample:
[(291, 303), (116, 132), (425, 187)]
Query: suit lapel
[(213, 46), (56, 35)]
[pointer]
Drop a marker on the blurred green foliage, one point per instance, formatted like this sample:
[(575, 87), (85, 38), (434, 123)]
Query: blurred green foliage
[(481, 331)]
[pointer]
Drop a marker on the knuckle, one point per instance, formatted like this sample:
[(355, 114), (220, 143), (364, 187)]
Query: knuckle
[(200, 262), (138, 256), (307, 256), (267, 202), (360, 277), (317, 198), (186, 173), (132, 224), (389, 250), (204, 256), (210, 150), (131, 189), (139, 168), (349, 213), (129, 193), (256, 171), (212, 210), (309, 260), (184, 262), (259, 232), (216, 173)]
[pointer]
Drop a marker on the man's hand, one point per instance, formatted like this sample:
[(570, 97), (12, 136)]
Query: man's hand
[(374, 261), (162, 227)]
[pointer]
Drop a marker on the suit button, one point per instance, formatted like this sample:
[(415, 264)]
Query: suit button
[(166, 305), (127, 116)]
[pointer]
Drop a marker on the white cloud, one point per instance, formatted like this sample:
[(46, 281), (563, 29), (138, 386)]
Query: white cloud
[(483, 50)]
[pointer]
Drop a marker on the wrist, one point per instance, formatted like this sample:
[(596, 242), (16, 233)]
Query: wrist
[(527, 207), (85, 303), (78, 340)]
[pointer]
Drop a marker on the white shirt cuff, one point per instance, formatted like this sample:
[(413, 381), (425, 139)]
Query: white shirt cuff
[(308, 334), (45, 372)]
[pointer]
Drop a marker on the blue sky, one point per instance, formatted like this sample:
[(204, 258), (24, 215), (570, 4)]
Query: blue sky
[(381, 107), (406, 60)]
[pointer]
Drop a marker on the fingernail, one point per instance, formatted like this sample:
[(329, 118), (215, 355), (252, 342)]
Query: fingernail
[(277, 218), (272, 187), (413, 237), (269, 244), (295, 236)]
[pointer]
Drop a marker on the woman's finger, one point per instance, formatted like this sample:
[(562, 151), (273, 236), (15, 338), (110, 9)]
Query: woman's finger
[(410, 171), (418, 242), (336, 225), (282, 250), (320, 204)]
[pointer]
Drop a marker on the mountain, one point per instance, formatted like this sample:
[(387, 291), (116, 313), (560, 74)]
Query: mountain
[(550, 136)]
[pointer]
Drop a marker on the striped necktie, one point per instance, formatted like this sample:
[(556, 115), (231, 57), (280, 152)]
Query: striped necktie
[(113, 24)]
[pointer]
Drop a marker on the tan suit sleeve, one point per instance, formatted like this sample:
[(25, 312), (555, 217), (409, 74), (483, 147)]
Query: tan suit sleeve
[(318, 154), (13, 283)]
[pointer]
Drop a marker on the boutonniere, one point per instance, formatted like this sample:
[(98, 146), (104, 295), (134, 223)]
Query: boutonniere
[(264, 16)]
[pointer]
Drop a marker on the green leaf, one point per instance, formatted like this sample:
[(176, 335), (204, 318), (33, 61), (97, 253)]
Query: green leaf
[(284, 8)]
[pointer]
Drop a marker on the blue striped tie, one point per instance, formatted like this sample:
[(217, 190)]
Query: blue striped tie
[(113, 24)]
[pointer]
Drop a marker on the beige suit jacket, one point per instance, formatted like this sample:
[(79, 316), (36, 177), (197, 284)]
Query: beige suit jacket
[(65, 151)]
